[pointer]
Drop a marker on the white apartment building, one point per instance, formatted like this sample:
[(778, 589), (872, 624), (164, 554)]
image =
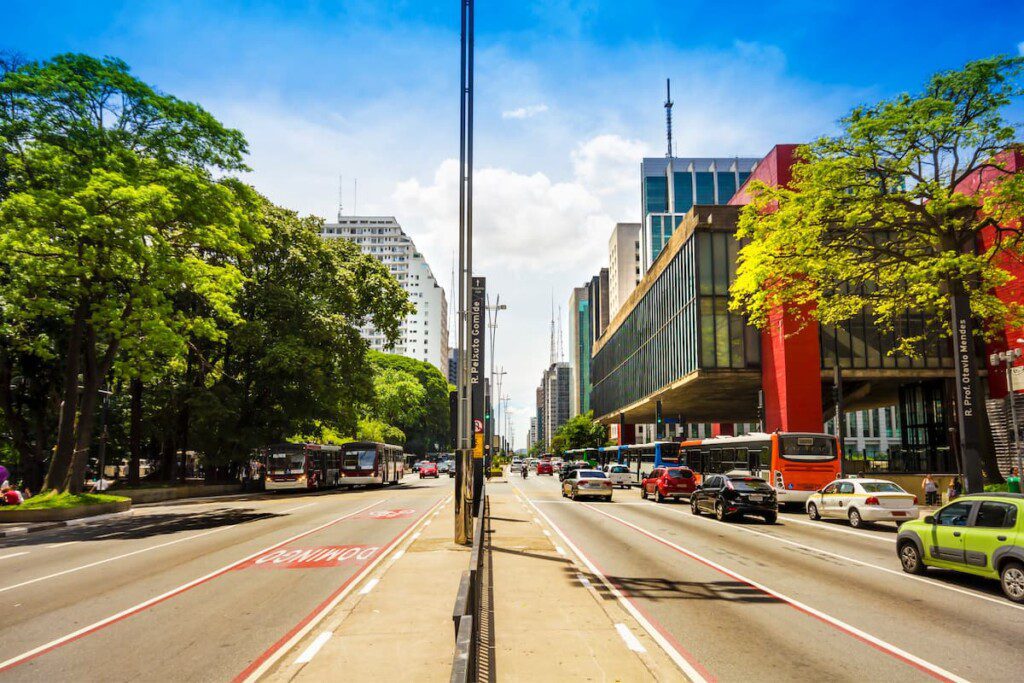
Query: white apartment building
[(423, 335), (624, 264)]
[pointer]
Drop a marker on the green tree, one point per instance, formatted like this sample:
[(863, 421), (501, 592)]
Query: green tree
[(108, 213), (430, 424), (877, 218), (580, 431)]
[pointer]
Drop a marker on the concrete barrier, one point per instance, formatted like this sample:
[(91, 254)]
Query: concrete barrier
[(160, 494), (64, 514)]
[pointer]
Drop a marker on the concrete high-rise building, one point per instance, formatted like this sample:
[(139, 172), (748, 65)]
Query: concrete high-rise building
[(423, 335), (625, 266), (540, 413), (531, 436), (597, 293), (670, 186), (453, 366), (556, 399), (580, 343)]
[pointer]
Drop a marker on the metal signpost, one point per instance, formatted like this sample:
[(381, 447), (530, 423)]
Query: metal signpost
[(968, 393), (477, 337)]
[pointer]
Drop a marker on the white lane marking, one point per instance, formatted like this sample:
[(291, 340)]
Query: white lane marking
[(58, 545), (4, 557), (537, 521), (427, 523), (116, 533), (546, 532), (415, 535), (584, 580), (878, 643), (632, 642), (369, 586), (327, 609), (398, 555), (163, 596), (307, 655), (820, 551), (839, 529), (560, 550), (112, 559), (297, 508), (681, 660)]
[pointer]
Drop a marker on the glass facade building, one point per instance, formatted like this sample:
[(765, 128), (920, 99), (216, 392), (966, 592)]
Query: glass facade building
[(670, 187)]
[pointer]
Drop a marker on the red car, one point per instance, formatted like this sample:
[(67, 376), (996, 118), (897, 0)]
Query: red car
[(428, 469), (545, 467), (668, 482)]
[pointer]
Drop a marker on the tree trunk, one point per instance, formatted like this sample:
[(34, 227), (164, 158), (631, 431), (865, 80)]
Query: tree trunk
[(135, 432), (60, 463), (91, 380)]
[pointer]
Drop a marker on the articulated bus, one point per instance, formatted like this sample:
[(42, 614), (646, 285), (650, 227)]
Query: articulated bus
[(795, 464), (300, 466), (644, 457), (371, 463)]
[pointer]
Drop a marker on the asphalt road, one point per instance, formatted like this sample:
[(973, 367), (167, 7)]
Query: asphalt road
[(797, 600), (196, 591)]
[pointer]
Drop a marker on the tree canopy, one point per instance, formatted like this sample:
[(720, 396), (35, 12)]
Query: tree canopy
[(877, 218), (581, 431)]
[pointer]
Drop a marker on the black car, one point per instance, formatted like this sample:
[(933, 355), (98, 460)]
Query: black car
[(734, 496)]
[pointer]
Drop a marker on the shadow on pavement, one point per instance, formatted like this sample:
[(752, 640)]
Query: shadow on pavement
[(661, 589)]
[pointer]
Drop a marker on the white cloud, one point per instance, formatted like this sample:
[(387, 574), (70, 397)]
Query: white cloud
[(525, 112)]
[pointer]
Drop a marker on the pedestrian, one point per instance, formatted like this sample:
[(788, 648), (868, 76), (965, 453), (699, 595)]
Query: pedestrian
[(931, 490), (11, 495), (958, 487), (951, 490)]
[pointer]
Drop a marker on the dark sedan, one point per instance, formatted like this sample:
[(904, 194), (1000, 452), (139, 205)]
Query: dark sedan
[(728, 497)]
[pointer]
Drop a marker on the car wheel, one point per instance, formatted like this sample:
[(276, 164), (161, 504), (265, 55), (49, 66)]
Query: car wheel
[(910, 558), (1011, 576), (812, 511), (573, 495), (658, 498), (719, 511), (643, 493), (855, 519), (771, 518), (694, 508)]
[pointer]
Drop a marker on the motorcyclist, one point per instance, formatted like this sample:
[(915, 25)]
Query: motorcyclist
[(524, 469)]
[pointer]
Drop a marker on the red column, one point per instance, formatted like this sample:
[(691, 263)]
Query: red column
[(791, 373), (723, 429)]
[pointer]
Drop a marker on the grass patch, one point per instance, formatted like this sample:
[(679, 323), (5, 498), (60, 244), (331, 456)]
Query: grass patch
[(60, 501)]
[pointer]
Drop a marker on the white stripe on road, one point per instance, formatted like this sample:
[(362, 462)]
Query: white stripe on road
[(560, 550), (4, 557), (307, 655), (546, 532), (369, 586), (902, 574), (632, 642), (878, 643), (839, 529), (681, 660), (297, 508), (398, 555), (13, 661)]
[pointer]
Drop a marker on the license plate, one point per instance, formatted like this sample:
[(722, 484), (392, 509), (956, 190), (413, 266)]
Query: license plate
[(898, 514), (756, 498)]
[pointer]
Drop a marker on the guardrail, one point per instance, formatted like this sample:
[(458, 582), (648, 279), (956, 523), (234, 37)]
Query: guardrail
[(466, 615)]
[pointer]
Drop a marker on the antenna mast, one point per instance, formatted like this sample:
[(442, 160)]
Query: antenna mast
[(668, 115), (341, 195), (553, 352), (355, 196)]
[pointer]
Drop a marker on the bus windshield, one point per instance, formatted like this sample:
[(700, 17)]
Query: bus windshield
[(286, 462), (807, 448), (360, 460)]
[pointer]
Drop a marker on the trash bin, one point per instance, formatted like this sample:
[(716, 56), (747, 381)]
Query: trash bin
[(1013, 484)]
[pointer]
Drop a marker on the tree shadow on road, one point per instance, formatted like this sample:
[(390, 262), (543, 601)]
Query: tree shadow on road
[(659, 589)]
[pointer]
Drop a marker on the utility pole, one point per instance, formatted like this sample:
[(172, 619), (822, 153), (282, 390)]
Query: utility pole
[(464, 471)]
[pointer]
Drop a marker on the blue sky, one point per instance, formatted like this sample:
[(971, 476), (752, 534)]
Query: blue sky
[(568, 101)]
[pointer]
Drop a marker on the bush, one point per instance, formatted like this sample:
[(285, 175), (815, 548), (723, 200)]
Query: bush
[(52, 500)]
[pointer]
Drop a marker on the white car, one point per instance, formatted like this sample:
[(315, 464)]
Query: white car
[(517, 465), (863, 500), (620, 475)]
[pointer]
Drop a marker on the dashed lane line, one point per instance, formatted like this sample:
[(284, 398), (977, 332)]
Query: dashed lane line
[(6, 557), (632, 642), (307, 655)]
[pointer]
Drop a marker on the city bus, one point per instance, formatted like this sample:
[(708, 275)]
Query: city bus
[(643, 457), (300, 466), (368, 463), (590, 455), (796, 464)]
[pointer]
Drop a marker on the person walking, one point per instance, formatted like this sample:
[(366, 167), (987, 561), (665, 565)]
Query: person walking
[(931, 490)]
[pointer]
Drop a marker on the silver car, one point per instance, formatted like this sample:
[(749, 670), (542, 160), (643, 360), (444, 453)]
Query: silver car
[(582, 483)]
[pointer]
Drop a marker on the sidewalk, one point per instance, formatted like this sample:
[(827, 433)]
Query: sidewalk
[(21, 528), (547, 625), (401, 629)]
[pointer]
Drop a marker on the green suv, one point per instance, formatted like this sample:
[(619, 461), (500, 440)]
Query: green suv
[(979, 534)]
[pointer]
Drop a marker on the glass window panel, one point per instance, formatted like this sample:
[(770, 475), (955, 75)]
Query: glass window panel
[(683, 188), (705, 188), (705, 264), (743, 177), (721, 333), (726, 186), (656, 194), (721, 256), (707, 333), (736, 339)]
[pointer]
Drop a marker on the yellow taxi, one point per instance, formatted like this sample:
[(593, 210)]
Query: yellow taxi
[(863, 501)]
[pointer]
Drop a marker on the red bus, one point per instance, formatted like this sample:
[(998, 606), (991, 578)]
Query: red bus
[(371, 463), (300, 466), (795, 464)]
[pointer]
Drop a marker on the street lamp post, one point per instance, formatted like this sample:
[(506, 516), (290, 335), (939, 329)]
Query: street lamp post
[(492, 325), (1008, 357)]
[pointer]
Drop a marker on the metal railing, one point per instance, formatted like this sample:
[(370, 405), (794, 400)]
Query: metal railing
[(466, 615)]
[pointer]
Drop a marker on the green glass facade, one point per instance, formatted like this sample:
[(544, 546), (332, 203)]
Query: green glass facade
[(584, 342)]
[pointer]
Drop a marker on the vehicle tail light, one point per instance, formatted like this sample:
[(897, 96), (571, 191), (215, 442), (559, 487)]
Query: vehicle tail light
[(915, 500), (872, 500), (779, 482)]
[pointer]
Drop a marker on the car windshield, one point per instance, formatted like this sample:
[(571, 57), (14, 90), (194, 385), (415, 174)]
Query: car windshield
[(620, 469), (881, 487), (677, 473), (750, 485), (590, 474), (427, 464)]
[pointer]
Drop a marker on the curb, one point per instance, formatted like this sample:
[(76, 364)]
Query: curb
[(47, 526)]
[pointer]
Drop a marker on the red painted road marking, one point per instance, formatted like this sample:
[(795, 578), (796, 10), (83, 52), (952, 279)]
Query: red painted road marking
[(262, 663), (322, 556), (142, 606), (391, 514), (921, 665)]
